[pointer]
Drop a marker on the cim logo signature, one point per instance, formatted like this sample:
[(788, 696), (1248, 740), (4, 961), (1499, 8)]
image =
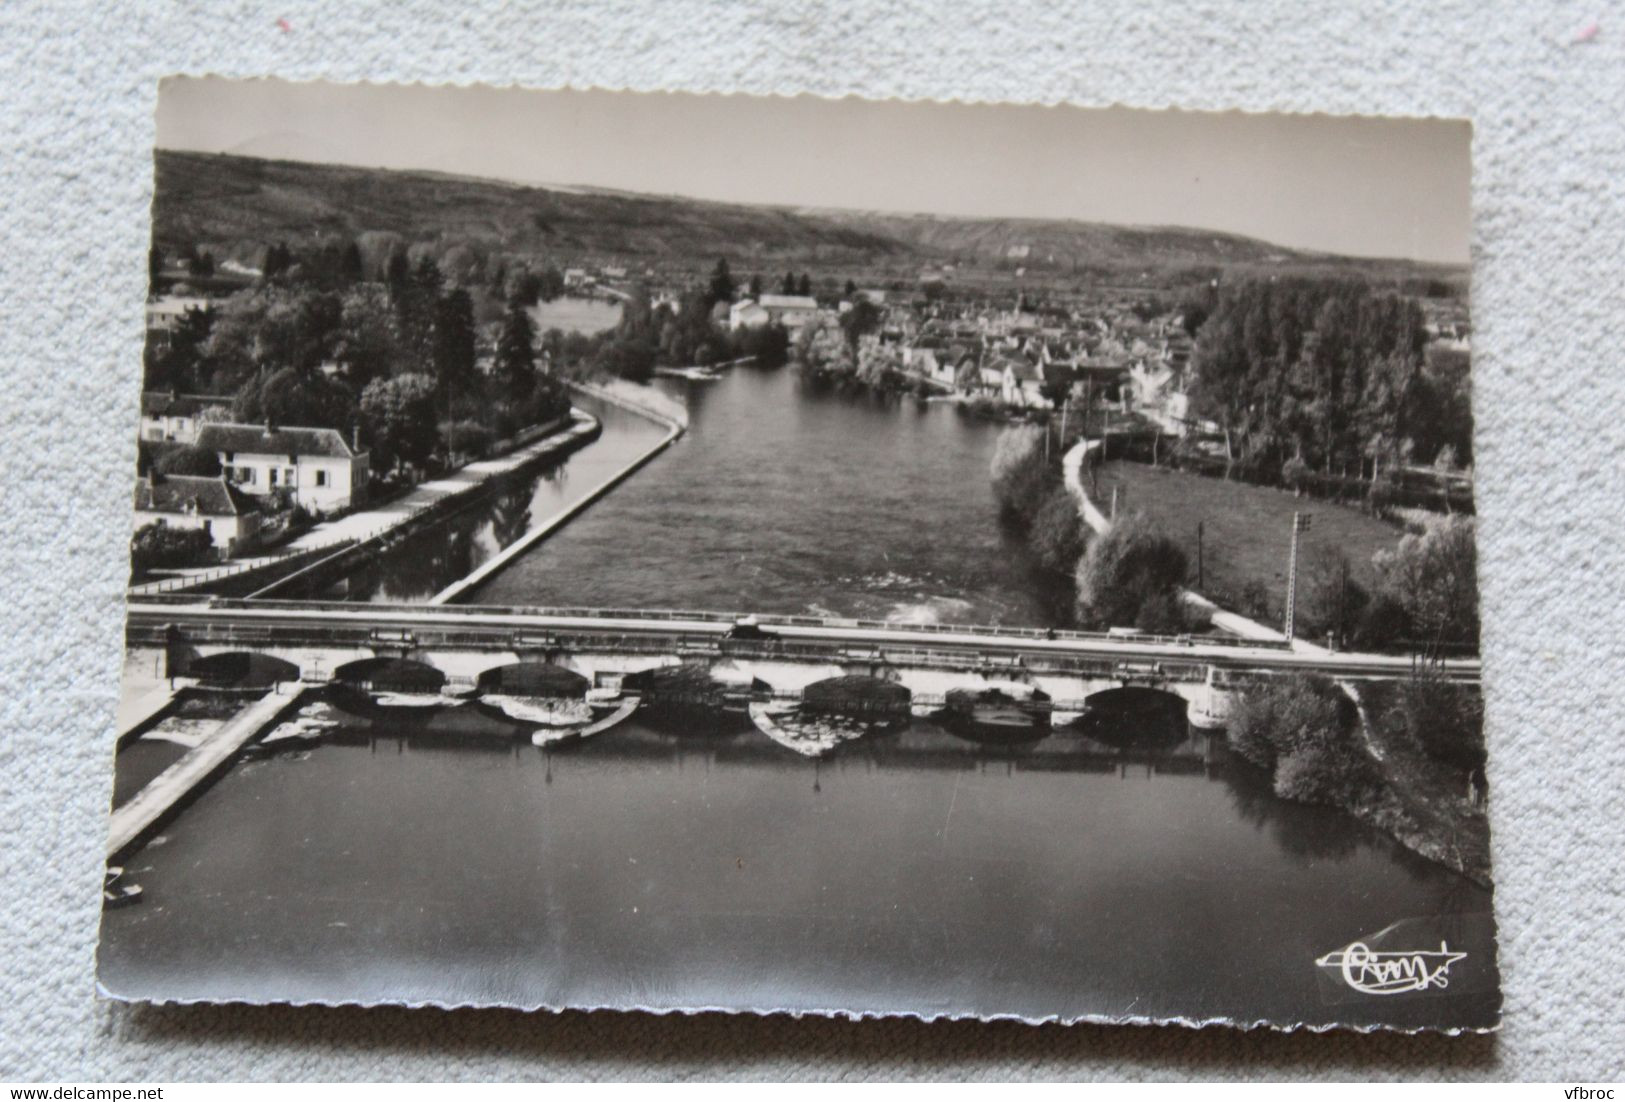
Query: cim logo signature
[(1382, 973)]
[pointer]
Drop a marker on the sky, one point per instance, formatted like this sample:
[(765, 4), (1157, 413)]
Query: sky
[(1350, 185)]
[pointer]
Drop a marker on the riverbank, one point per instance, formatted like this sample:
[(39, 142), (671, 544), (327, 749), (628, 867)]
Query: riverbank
[(635, 399), (1370, 750), (1369, 765), (1431, 807), (361, 534), (366, 525)]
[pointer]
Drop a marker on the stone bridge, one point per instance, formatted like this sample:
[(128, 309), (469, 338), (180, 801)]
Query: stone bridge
[(449, 649)]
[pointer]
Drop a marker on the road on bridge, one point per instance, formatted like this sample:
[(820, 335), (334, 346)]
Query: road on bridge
[(484, 627)]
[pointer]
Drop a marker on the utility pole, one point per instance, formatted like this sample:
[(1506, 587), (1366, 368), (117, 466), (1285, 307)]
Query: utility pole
[(1300, 523), (1199, 586)]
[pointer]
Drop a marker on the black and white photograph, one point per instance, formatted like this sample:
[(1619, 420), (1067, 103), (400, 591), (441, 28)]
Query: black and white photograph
[(647, 551)]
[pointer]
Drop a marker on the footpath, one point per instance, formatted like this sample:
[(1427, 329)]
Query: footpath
[(146, 807), (1072, 464), (642, 404)]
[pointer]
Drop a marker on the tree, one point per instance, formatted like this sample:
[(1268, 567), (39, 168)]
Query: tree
[(278, 259), (1022, 476), (628, 358), (863, 318), (516, 354), (1130, 566), (851, 290), (721, 287), (351, 270), (804, 285), (177, 365), (399, 413), (755, 287), (397, 277), (788, 286), (1329, 599), (292, 397), (160, 545), (1434, 578), (366, 346), (769, 344), (454, 369), (879, 365), (1057, 534), (189, 459)]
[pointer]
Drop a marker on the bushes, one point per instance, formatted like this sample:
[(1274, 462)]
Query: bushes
[(1057, 533), (159, 545), (1305, 732), (189, 459), (1131, 566), (1434, 578), (466, 437), (1445, 720), (630, 358), (1022, 477)]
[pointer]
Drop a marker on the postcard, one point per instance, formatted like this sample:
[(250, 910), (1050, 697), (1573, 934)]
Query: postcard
[(671, 552)]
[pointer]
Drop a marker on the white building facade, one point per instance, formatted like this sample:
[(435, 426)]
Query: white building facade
[(314, 467)]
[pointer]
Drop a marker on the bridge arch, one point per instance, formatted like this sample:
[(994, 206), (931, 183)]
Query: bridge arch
[(241, 669), (534, 679), (1137, 700), (1137, 716), (858, 695), (391, 675)]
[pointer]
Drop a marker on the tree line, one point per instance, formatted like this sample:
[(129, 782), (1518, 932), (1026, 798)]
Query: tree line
[(693, 331), (1327, 375), (316, 344), (1425, 599)]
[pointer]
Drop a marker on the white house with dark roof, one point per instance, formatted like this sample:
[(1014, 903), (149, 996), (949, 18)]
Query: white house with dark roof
[(315, 466), (229, 516)]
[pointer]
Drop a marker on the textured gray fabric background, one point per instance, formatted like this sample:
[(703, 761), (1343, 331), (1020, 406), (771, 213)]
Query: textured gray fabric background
[(79, 85)]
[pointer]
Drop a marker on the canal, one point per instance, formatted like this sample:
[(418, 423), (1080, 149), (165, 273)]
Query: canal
[(437, 855)]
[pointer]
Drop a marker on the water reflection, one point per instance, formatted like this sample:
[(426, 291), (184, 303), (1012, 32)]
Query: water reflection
[(683, 858)]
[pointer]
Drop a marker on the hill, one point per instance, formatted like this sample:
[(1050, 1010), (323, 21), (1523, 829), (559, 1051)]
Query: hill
[(237, 206)]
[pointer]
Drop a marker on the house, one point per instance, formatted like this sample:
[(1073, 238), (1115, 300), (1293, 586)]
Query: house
[(228, 515), (1021, 382), (790, 311), (314, 466), (166, 312), (576, 278), (746, 314), (168, 415)]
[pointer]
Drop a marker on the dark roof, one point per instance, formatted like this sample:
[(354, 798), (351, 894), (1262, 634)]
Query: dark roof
[(194, 494), (273, 440), (165, 403)]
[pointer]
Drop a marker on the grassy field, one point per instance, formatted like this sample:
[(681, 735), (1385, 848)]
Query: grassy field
[(1247, 530), (581, 315)]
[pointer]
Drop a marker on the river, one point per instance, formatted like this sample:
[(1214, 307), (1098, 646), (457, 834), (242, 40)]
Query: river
[(641, 867), (777, 499), (446, 859)]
